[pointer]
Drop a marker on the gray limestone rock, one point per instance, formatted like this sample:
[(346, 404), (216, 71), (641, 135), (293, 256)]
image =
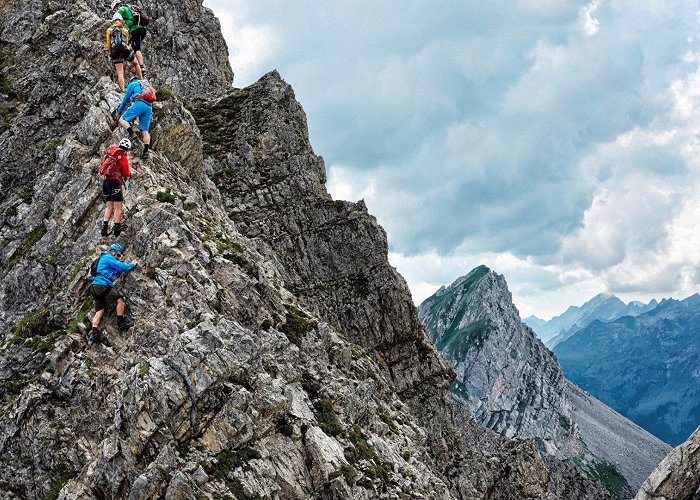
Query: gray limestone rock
[(514, 385), (678, 476)]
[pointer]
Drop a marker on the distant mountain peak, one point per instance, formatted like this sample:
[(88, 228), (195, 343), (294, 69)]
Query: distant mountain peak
[(603, 307), (512, 384)]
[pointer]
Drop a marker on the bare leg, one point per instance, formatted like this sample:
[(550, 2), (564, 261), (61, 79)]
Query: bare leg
[(108, 211), (137, 68), (117, 212), (97, 318), (121, 307), (139, 57), (146, 137), (124, 124), (120, 75)]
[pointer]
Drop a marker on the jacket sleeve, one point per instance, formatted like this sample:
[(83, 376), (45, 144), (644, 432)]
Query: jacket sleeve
[(120, 267), (109, 39), (127, 98)]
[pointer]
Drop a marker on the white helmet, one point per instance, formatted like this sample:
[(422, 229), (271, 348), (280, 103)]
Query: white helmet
[(125, 144), (117, 17), (115, 3)]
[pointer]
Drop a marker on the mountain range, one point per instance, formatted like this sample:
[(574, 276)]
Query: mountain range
[(602, 307), (646, 367)]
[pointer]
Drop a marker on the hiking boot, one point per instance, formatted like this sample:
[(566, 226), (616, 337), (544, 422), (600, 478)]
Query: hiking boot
[(105, 229), (122, 324), (94, 335), (117, 230)]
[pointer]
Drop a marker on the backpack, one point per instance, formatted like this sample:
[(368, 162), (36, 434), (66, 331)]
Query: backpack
[(94, 264), (110, 161), (117, 40), (140, 16), (148, 93)]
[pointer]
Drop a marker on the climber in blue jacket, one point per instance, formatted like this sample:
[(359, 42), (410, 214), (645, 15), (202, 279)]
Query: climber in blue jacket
[(109, 268), (138, 102)]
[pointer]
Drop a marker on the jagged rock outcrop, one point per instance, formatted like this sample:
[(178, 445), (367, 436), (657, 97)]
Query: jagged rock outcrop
[(506, 378), (514, 385), (678, 476), (275, 353)]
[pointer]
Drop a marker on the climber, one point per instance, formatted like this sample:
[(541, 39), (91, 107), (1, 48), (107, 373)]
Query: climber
[(115, 170), (139, 97), (109, 268), (118, 49), (135, 20)]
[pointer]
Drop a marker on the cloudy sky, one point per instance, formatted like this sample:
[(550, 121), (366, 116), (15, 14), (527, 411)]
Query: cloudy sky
[(557, 141)]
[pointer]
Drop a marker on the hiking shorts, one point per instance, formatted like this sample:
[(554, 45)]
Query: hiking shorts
[(112, 190), (123, 55), (141, 110), (137, 37), (102, 294)]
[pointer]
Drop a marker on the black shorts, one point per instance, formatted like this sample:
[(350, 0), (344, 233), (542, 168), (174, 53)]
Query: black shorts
[(122, 55), (102, 294), (137, 37), (112, 190)]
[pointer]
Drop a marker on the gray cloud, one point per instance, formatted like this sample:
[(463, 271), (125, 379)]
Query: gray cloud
[(493, 126)]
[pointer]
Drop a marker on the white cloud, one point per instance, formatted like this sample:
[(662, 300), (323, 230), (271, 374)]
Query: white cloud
[(249, 45), (591, 25), (343, 184)]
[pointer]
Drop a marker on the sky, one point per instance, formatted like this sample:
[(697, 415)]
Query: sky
[(556, 141)]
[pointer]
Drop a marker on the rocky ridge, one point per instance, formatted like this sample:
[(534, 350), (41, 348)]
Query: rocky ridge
[(512, 384), (275, 354)]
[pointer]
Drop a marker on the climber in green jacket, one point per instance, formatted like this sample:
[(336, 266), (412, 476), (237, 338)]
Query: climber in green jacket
[(135, 20)]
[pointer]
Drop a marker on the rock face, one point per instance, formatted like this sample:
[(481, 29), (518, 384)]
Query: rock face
[(678, 476), (275, 353), (506, 378), (513, 385), (645, 367), (602, 307)]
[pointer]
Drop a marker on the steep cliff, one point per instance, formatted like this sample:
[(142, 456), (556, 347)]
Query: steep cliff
[(514, 385), (275, 353)]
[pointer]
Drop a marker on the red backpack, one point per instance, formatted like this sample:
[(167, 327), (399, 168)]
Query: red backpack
[(148, 93), (108, 168)]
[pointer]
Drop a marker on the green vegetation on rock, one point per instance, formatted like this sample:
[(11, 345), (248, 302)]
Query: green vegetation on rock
[(296, 325), (326, 417), (164, 94), (26, 247), (166, 197)]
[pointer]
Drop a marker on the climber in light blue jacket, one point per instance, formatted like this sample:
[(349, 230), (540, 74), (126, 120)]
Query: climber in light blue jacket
[(139, 97), (109, 268)]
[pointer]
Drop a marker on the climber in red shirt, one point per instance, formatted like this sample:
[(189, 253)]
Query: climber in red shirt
[(115, 170)]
